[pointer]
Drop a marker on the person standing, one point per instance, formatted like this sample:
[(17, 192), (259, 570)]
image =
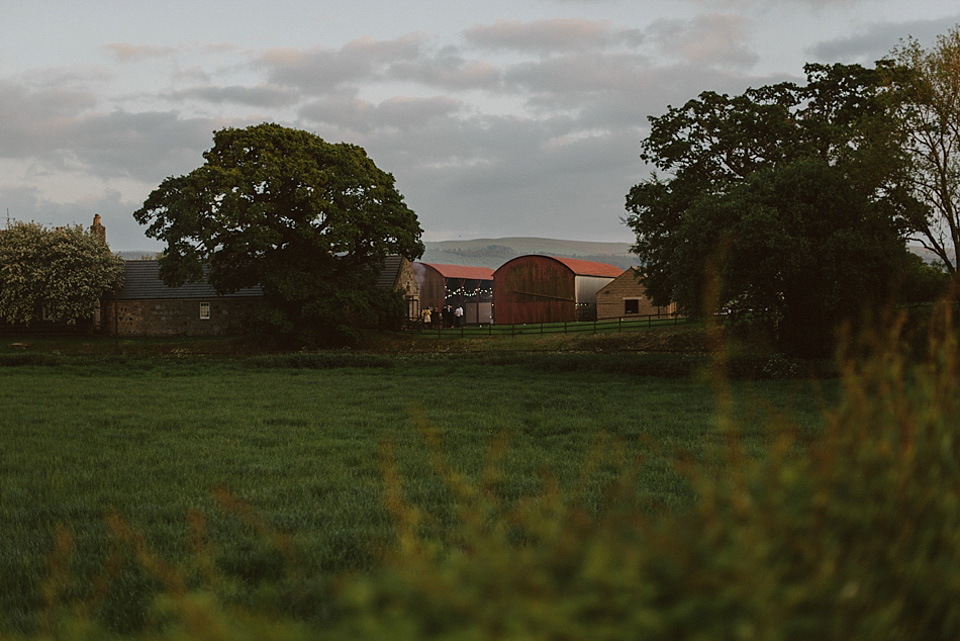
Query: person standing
[(458, 316)]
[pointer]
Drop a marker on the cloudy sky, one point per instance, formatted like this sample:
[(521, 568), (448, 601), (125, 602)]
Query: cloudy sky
[(497, 118)]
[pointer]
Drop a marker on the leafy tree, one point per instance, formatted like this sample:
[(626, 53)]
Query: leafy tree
[(57, 273), (308, 221), (932, 115), (794, 199)]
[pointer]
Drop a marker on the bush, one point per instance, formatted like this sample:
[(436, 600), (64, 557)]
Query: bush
[(855, 535)]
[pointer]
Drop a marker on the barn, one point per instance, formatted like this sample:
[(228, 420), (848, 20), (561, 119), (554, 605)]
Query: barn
[(547, 289), (457, 286), (625, 297)]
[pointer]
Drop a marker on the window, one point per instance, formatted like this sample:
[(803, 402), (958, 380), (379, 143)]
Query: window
[(204, 311), (631, 305)]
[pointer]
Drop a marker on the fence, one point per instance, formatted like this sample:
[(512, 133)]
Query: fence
[(624, 323)]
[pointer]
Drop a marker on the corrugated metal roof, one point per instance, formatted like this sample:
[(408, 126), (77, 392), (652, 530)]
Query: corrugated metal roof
[(589, 268), (462, 271), (141, 281)]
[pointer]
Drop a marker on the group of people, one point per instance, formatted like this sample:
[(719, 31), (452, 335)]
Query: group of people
[(442, 318)]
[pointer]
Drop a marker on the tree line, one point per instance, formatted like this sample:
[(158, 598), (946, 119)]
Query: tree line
[(791, 203)]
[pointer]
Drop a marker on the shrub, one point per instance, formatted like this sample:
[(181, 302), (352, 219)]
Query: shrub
[(853, 536)]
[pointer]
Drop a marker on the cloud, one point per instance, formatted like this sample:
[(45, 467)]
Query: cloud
[(816, 4), (324, 70), (34, 120), (447, 70), (875, 40), (60, 130), (126, 52), (713, 39), (27, 203), (400, 113), (256, 96), (146, 146), (550, 36)]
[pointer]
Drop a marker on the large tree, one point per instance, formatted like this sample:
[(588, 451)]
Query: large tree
[(932, 118), (308, 221), (56, 274), (793, 197)]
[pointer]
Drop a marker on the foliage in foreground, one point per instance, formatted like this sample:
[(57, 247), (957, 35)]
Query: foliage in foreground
[(853, 535)]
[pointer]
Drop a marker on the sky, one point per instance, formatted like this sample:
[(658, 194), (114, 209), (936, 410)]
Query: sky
[(496, 118)]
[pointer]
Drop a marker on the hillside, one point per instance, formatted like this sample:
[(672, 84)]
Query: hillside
[(493, 252)]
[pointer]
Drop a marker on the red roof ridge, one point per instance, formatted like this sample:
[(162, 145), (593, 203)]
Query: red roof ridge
[(589, 267), (461, 271)]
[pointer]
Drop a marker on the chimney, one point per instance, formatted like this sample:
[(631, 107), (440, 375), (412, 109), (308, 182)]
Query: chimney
[(98, 230)]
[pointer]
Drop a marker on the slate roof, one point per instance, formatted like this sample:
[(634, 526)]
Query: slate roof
[(390, 273), (141, 281)]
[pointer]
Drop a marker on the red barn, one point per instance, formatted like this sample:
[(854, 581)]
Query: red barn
[(457, 285), (549, 289)]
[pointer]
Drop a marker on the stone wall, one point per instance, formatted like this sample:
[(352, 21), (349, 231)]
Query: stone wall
[(612, 299), (177, 317)]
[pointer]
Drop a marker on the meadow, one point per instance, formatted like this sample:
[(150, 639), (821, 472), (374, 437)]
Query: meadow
[(276, 466)]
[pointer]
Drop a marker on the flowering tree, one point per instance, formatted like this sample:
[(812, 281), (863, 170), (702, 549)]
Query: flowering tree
[(59, 273)]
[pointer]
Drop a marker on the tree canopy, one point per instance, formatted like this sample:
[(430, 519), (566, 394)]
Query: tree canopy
[(795, 198), (57, 274), (931, 112), (308, 221)]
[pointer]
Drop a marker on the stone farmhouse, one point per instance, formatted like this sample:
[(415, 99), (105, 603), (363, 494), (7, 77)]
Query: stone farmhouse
[(144, 306)]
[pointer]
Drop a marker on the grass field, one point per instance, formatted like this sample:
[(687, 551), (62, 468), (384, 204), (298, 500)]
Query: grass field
[(163, 442)]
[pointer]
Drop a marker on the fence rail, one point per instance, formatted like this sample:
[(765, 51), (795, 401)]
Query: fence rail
[(624, 323)]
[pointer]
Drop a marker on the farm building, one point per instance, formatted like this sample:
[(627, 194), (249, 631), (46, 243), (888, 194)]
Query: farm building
[(457, 286), (398, 274), (547, 289), (625, 297), (144, 306)]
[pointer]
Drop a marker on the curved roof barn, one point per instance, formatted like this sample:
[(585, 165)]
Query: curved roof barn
[(547, 289)]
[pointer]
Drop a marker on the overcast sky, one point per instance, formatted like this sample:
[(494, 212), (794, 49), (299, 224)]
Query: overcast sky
[(497, 118)]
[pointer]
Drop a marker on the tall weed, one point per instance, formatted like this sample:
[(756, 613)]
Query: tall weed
[(853, 536)]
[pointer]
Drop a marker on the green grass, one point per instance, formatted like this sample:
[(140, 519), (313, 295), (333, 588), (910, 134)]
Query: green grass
[(158, 440)]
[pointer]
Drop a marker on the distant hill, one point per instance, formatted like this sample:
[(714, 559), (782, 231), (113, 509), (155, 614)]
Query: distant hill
[(139, 254), (493, 252)]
